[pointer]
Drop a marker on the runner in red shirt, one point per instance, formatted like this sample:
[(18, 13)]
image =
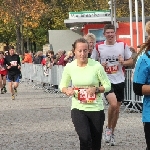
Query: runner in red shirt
[(3, 73)]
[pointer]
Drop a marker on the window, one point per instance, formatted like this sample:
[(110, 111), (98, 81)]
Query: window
[(98, 33)]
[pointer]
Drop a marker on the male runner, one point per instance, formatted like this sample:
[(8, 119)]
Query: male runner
[(12, 62), (114, 56)]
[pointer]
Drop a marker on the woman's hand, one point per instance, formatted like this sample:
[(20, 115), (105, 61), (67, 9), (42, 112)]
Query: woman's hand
[(69, 91), (91, 91)]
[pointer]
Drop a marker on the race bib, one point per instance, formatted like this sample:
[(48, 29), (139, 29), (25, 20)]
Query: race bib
[(111, 69), (83, 97), (13, 63)]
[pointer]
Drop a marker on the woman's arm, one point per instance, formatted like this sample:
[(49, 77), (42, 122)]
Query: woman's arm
[(141, 89), (141, 77), (65, 80)]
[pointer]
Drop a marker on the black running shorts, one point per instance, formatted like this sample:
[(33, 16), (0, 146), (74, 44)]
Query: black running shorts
[(118, 89), (13, 78)]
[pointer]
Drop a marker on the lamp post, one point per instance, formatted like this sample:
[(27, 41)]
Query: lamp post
[(143, 20), (114, 3), (131, 26), (136, 17), (110, 3)]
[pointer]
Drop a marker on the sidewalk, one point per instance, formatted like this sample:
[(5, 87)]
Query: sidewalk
[(41, 121)]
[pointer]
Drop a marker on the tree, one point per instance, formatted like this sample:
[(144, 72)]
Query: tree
[(123, 8), (25, 14), (7, 30), (30, 20)]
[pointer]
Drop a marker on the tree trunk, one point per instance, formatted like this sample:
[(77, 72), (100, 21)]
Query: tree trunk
[(34, 46), (28, 44), (22, 41), (7, 45), (18, 35)]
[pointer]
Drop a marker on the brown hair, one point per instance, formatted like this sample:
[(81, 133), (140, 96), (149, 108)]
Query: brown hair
[(50, 52), (145, 47), (80, 40), (109, 26)]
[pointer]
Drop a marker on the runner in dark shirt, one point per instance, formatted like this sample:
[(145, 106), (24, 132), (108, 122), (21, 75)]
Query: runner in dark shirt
[(12, 62)]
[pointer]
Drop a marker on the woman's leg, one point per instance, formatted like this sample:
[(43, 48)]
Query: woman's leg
[(4, 80), (4, 83), (96, 127), (81, 124), (1, 85), (147, 134)]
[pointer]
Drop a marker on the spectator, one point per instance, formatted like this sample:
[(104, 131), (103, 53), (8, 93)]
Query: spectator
[(49, 53), (61, 56), (53, 60), (27, 58), (69, 57), (38, 57)]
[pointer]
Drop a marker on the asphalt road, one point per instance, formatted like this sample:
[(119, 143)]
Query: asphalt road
[(41, 121)]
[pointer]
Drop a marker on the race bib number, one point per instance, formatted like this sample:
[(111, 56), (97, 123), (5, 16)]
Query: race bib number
[(13, 63), (83, 97), (111, 69)]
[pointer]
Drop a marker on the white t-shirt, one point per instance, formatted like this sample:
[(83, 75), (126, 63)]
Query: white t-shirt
[(109, 54)]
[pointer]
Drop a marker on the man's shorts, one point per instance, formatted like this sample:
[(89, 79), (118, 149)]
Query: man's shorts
[(118, 89), (13, 78)]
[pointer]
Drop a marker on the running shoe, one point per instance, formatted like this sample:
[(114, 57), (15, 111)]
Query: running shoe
[(107, 135), (13, 97), (15, 90), (4, 89), (112, 141)]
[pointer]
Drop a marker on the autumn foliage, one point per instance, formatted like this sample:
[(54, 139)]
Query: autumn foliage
[(31, 19)]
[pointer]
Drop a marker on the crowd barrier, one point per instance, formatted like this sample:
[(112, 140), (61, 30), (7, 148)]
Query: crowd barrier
[(132, 101), (35, 73)]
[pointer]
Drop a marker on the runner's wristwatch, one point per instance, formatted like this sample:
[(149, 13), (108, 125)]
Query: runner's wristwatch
[(97, 90)]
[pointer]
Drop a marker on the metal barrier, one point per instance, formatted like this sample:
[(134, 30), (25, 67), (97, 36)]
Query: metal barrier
[(132, 101), (33, 73)]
